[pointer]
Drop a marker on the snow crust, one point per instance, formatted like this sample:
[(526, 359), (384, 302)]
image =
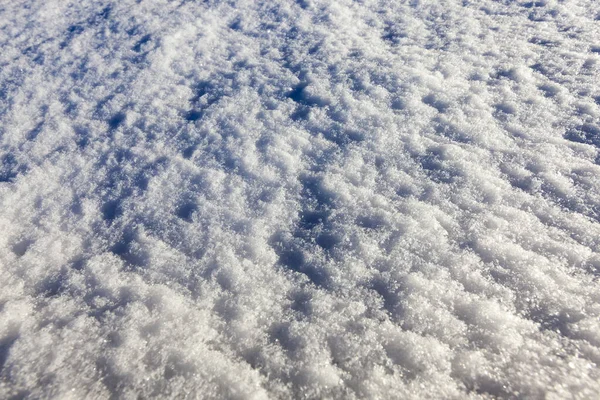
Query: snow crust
[(299, 199)]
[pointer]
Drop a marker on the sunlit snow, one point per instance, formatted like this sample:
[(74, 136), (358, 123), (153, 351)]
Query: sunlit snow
[(368, 199)]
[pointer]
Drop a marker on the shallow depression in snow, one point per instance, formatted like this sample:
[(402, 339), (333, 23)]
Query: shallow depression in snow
[(299, 199)]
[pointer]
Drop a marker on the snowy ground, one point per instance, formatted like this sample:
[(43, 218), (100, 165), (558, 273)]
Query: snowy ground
[(299, 199)]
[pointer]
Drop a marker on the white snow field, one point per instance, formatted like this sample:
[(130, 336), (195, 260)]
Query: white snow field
[(284, 199)]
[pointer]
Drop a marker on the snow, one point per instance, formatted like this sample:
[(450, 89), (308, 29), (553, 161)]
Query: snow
[(299, 199)]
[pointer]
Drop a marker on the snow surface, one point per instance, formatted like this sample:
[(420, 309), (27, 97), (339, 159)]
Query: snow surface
[(299, 199)]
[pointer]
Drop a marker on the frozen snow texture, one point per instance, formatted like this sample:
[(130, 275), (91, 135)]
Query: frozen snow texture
[(299, 199)]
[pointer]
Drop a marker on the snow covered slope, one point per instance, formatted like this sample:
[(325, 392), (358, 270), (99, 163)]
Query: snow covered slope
[(299, 199)]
